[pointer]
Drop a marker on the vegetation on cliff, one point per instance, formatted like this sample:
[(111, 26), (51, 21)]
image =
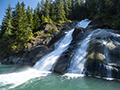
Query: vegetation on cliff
[(20, 25)]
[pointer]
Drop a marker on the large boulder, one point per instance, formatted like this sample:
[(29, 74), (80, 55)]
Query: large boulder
[(103, 57)]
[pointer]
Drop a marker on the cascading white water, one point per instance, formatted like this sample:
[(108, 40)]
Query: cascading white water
[(46, 63), (77, 64)]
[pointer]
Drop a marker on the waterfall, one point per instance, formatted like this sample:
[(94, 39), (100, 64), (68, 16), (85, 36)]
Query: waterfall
[(46, 63), (77, 64)]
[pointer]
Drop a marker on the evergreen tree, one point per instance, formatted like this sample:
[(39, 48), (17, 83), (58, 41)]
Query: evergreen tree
[(27, 23), (92, 7), (72, 13), (6, 32), (53, 11), (60, 11), (6, 28), (20, 27), (16, 20), (42, 8), (29, 17), (24, 23), (38, 9), (36, 21), (47, 9), (67, 8), (29, 26)]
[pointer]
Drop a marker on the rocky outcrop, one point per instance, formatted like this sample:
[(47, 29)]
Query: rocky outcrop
[(37, 47), (27, 58), (103, 58)]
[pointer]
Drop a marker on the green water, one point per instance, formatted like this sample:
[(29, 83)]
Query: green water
[(51, 81)]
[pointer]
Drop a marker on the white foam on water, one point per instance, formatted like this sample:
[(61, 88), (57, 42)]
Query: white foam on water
[(73, 75), (16, 79), (110, 79)]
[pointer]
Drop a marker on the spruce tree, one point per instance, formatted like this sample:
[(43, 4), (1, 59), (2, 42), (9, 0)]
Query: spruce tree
[(67, 8), (42, 6), (21, 31), (38, 9), (29, 17), (16, 20), (53, 11), (47, 9), (6, 28), (36, 21), (29, 26), (60, 11), (6, 32)]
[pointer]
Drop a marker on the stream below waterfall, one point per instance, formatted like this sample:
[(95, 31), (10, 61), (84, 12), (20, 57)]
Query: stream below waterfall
[(28, 79), (41, 77)]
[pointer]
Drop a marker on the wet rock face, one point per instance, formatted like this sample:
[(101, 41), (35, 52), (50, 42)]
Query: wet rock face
[(95, 59), (63, 62), (103, 57)]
